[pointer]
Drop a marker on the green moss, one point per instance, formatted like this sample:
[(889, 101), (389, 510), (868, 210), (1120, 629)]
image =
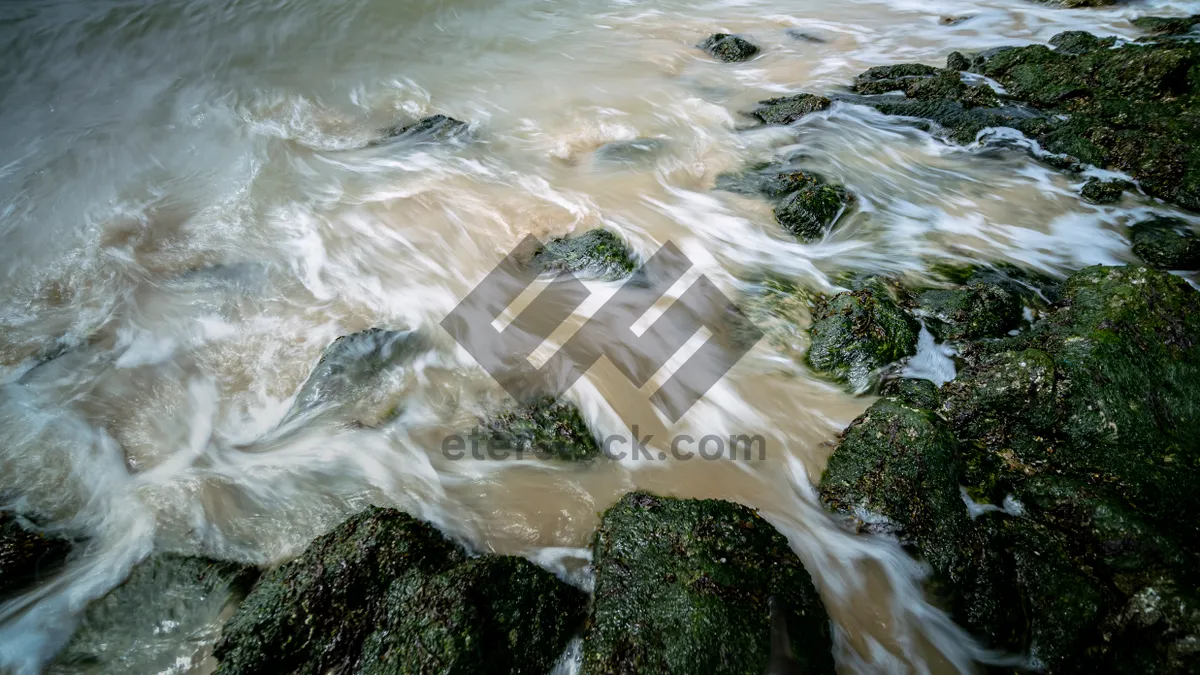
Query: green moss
[(856, 333), (807, 212), (168, 611), (544, 427), (682, 586), (1098, 191), (1157, 25), (1078, 42), (728, 48), (788, 109), (596, 253), (1167, 243), (384, 592), (916, 393), (980, 310), (26, 556), (773, 181)]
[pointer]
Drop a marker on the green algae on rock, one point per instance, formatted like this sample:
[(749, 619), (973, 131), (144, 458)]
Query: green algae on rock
[(773, 181), (386, 593), (26, 556), (545, 428), (168, 612), (1157, 25), (981, 309), (682, 586), (855, 333), (1166, 243), (788, 109), (809, 211), (597, 253), (1097, 191), (728, 48), (913, 392)]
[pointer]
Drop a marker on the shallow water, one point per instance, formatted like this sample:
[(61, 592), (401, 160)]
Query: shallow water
[(192, 208)]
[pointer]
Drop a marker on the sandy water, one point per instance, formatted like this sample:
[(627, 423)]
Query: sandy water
[(191, 210)]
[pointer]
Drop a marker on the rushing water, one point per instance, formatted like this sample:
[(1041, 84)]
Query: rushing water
[(192, 209)]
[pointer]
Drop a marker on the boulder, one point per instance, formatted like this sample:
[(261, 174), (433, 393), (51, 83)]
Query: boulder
[(1156, 25), (684, 586), (808, 212), (165, 616), (386, 593), (773, 181), (1166, 243), (728, 48), (544, 428), (981, 309), (856, 333), (1097, 191), (596, 254), (26, 555), (788, 109), (912, 392)]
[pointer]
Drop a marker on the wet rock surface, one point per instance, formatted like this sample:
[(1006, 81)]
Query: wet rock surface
[(728, 48), (1166, 243), (1076, 445), (810, 211), (683, 586), (598, 253), (386, 593), (788, 109), (427, 129), (26, 555), (1167, 26), (981, 309), (166, 614), (543, 428), (856, 333), (1097, 191)]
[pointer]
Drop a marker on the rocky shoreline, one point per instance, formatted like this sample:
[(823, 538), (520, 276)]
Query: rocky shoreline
[(1048, 486)]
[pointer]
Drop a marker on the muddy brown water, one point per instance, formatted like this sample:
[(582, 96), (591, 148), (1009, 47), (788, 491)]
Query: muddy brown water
[(192, 210)]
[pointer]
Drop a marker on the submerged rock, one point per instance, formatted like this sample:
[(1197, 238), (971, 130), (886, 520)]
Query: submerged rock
[(1157, 25), (728, 48), (1078, 444), (167, 614), (597, 253), (386, 593), (805, 37), (856, 333), (1132, 108), (351, 371), (788, 109), (432, 128), (809, 211), (773, 181), (637, 151), (544, 428), (980, 310), (26, 556), (1097, 191), (1166, 243), (683, 586)]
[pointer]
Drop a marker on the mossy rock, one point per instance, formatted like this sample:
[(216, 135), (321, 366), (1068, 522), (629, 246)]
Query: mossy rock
[(432, 128), (1133, 108), (809, 211), (728, 48), (545, 428), (856, 333), (598, 254), (773, 181), (386, 593), (27, 556), (980, 310), (352, 374), (1097, 191), (788, 109), (683, 586), (912, 392), (1157, 25), (168, 612), (1079, 42), (1166, 243)]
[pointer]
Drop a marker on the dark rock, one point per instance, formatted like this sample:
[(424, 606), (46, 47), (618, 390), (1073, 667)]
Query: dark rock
[(809, 211), (26, 556), (351, 369), (1079, 42), (856, 333), (432, 128), (952, 20), (896, 72), (683, 586), (957, 62), (1167, 26), (637, 151), (728, 48), (545, 428), (386, 593), (979, 310), (169, 611), (805, 37), (912, 392), (597, 253), (769, 180), (1096, 191), (1166, 243), (788, 109)]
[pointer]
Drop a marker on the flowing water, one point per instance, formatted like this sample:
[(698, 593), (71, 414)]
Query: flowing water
[(193, 207)]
